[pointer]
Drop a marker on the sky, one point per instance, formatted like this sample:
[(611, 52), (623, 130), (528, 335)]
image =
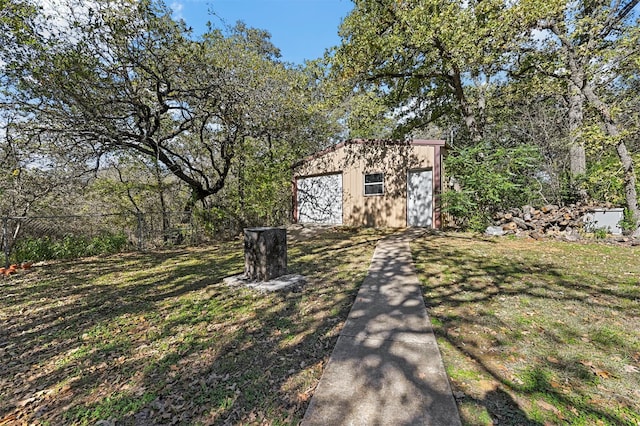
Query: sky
[(301, 29)]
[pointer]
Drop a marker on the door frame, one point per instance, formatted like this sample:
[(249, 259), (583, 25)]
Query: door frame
[(434, 223)]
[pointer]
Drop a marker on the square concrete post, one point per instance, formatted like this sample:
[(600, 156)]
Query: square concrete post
[(265, 253)]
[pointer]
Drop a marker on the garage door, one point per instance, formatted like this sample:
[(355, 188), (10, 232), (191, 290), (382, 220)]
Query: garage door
[(419, 198), (320, 199)]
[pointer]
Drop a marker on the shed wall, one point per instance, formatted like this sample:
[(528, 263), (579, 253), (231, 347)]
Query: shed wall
[(355, 160)]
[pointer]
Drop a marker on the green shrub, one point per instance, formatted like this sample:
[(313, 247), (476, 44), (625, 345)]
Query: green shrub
[(107, 244), (628, 224), (69, 247), (600, 233), (604, 180), (34, 249), (491, 179)]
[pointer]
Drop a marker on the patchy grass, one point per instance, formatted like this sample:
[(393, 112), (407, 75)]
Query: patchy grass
[(536, 332), (156, 338)]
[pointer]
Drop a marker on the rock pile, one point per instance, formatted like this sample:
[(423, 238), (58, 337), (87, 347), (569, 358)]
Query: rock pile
[(547, 221)]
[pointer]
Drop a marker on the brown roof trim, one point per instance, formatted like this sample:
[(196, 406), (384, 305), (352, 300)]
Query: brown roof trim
[(427, 142), (414, 142)]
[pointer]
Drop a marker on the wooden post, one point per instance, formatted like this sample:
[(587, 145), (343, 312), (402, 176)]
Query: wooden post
[(265, 253), (5, 240)]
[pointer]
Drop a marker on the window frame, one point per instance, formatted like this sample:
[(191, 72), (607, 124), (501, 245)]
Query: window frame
[(373, 184)]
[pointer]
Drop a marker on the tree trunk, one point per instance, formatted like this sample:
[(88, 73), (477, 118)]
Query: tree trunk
[(626, 160), (470, 117), (242, 214), (577, 160), (630, 193), (196, 195), (163, 204), (577, 84), (577, 157)]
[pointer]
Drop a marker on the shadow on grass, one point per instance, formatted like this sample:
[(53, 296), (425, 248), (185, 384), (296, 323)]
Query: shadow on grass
[(381, 369), (155, 338), (502, 409), (468, 285)]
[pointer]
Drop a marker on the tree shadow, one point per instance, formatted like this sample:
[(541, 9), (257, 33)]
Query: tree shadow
[(503, 409), (382, 368), (465, 283), (169, 343)]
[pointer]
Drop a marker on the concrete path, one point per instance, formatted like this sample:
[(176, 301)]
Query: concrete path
[(385, 368)]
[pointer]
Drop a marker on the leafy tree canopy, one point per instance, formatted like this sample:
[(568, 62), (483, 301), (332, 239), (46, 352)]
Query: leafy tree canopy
[(125, 76)]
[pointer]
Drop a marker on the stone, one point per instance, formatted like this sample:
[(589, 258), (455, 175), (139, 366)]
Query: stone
[(571, 235), (265, 253), (291, 282), (494, 231)]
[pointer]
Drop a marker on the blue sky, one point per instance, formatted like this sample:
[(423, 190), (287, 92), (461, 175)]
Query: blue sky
[(301, 29)]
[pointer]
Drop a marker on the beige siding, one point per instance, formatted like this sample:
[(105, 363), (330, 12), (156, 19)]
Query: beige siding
[(355, 160)]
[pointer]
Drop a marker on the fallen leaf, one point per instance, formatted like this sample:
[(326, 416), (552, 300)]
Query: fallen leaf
[(546, 406), (487, 385), (602, 373), (9, 419), (631, 369), (597, 371)]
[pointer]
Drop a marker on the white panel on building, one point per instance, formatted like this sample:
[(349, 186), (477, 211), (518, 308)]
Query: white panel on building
[(420, 198), (320, 199)]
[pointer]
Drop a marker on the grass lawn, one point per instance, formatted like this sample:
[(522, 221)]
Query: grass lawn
[(156, 338), (536, 332)]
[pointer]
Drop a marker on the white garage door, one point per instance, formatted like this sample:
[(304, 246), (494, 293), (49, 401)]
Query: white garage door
[(320, 199), (419, 198)]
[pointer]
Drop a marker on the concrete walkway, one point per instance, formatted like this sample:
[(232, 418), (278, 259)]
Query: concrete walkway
[(385, 368)]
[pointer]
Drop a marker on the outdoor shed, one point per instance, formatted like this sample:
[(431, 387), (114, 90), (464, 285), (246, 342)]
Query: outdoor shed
[(371, 183)]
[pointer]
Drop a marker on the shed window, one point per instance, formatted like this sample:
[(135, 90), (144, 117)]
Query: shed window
[(374, 184)]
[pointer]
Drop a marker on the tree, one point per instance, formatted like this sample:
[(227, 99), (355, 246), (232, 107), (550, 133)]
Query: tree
[(432, 60), (491, 179), (35, 179), (443, 61), (529, 112), (16, 23), (131, 79), (593, 42), (259, 185)]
